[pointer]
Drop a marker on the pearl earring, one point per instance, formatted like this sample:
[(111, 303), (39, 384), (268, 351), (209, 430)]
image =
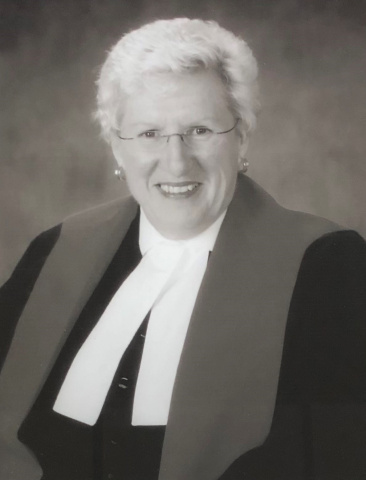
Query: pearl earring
[(244, 165), (120, 174)]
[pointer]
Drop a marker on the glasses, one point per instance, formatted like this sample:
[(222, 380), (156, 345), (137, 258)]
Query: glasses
[(193, 137)]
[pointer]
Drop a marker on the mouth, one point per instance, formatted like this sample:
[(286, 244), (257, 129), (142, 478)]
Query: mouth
[(179, 189)]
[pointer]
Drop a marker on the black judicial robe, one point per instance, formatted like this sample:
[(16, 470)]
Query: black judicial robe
[(317, 428), (113, 448)]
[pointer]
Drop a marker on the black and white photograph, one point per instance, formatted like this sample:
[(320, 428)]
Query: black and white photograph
[(182, 241)]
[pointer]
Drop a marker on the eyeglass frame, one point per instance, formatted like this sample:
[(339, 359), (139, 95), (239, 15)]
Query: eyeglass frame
[(181, 135)]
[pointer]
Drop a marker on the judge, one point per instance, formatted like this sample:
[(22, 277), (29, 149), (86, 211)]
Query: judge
[(195, 329)]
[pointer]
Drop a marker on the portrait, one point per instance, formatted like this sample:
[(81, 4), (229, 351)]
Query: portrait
[(184, 264)]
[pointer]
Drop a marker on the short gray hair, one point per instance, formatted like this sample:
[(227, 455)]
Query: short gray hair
[(178, 45)]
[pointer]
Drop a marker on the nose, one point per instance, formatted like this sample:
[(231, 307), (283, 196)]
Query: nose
[(176, 157)]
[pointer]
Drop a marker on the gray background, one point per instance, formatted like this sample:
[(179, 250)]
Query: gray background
[(309, 148)]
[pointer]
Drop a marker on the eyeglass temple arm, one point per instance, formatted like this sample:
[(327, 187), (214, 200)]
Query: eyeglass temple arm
[(124, 138), (230, 129)]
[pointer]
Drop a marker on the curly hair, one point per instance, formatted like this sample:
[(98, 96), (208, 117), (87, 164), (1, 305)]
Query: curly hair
[(178, 45)]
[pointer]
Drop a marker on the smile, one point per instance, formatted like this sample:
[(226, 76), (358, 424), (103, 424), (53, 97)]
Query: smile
[(184, 189)]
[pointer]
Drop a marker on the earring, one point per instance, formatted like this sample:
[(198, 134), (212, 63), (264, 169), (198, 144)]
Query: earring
[(244, 165), (120, 174)]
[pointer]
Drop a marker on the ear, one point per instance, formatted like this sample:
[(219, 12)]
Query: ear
[(243, 147), (116, 149)]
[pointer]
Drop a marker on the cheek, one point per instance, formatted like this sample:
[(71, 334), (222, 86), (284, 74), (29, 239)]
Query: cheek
[(224, 176), (225, 171), (226, 157), (138, 171), (221, 186), (135, 179)]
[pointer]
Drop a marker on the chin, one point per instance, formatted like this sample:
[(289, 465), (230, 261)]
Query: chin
[(180, 230)]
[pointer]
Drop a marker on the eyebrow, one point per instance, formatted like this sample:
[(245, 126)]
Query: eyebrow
[(154, 123), (142, 124)]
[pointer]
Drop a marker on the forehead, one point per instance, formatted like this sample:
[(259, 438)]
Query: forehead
[(181, 97)]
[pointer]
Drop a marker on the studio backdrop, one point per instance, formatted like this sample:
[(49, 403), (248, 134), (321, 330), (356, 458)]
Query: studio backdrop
[(309, 148)]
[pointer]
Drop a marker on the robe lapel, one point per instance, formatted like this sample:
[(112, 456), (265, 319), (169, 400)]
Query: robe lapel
[(83, 251), (225, 390)]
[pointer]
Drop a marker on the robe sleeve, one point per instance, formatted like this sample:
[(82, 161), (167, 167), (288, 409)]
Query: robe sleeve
[(326, 356)]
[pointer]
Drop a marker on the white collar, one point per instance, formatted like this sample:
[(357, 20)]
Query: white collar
[(150, 237)]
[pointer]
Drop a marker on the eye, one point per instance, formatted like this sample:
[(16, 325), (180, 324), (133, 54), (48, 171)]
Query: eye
[(149, 134), (199, 131)]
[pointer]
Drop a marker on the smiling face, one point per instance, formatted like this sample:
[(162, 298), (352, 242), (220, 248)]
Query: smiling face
[(182, 189)]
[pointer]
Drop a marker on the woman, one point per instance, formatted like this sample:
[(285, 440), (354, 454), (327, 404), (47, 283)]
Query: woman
[(235, 347)]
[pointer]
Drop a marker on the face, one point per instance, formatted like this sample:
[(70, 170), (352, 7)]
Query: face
[(182, 189)]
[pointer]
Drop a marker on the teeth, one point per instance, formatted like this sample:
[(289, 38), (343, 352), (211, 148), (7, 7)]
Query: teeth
[(176, 190)]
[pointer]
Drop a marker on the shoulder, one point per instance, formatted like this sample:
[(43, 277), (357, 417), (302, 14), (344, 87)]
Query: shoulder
[(41, 246), (333, 270), (344, 244), (337, 260), (101, 214), (76, 230), (331, 282), (33, 258), (255, 208)]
